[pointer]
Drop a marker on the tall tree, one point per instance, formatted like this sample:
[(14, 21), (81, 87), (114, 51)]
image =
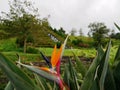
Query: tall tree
[(80, 32), (21, 19), (73, 31), (98, 31)]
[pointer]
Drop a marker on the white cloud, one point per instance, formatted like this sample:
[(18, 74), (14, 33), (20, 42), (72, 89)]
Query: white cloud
[(77, 13)]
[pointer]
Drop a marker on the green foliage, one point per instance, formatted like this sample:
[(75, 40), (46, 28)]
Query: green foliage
[(20, 41), (8, 45), (89, 78), (80, 66), (21, 19), (82, 41), (101, 75), (70, 77), (98, 31), (115, 36), (32, 50), (15, 75), (3, 34), (58, 44), (3, 80)]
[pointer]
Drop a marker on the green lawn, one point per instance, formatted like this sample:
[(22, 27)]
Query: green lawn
[(85, 52), (9, 49)]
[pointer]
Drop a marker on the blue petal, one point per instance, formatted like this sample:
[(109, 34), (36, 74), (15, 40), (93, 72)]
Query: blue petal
[(46, 59)]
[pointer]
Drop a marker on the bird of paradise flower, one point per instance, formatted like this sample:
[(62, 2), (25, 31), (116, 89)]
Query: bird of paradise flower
[(53, 72)]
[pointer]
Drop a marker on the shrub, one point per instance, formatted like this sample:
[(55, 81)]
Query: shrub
[(20, 40), (8, 45), (58, 44), (32, 50)]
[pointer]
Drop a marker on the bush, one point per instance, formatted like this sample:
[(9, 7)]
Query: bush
[(32, 50), (77, 41), (8, 45), (20, 40), (58, 44)]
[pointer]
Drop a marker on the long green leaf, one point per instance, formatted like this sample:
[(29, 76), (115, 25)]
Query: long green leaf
[(70, 77), (117, 58), (109, 81), (116, 74), (116, 69), (18, 78), (66, 75), (105, 67), (91, 73), (39, 82), (104, 74), (45, 74), (80, 66), (9, 86)]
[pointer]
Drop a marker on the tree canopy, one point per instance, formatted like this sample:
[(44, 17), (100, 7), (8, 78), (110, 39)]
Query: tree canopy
[(98, 31), (21, 20)]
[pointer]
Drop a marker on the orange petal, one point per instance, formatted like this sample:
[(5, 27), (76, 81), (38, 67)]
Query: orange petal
[(44, 68), (53, 56), (58, 55)]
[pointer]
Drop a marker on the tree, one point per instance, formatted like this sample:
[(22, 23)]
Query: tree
[(61, 32), (73, 31), (98, 31), (115, 35), (80, 32), (21, 19)]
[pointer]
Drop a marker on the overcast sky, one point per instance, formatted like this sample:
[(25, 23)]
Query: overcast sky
[(76, 13)]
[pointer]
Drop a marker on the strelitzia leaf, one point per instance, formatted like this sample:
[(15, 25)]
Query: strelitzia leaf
[(73, 75), (80, 66), (45, 74), (70, 77), (116, 73), (117, 58), (41, 82), (18, 78), (64, 44), (105, 67), (109, 81), (9, 86), (90, 75), (104, 75), (66, 75), (116, 69)]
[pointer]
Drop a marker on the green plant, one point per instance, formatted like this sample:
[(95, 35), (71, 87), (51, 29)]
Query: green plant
[(8, 45), (32, 50), (101, 75)]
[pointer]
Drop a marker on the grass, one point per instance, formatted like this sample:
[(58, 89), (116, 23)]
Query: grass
[(9, 49), (85, 52), (48, 52), (8, 44)]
